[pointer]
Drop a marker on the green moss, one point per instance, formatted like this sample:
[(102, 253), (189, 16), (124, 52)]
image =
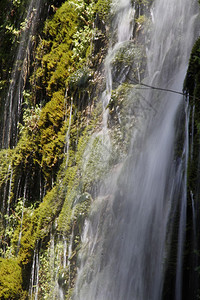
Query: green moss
[(102, 8), (48, 210), (10, 279), (39, 162), (67, 37), (54, 54), (51, 137), (5, 162)]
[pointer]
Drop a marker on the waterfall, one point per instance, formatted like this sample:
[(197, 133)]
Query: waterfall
[(123, 24), (127, 237), (182, 221)]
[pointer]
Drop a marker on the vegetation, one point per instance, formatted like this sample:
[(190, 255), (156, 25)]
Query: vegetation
[(49, 179), (10, 279), (40, 176)]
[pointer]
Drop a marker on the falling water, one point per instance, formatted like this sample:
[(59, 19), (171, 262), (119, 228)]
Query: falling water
[(193, 221), (67, 142), (194, 258), (9, 192), (123, 24), (192, 133), (13, 102), (9, 173), (34, 279), (183, 207), (22, 216), (124, 242)]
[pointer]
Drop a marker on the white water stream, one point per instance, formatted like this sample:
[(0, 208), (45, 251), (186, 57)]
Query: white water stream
[(124, 242)]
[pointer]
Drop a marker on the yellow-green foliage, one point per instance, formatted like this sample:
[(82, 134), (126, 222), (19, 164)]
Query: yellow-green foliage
[(61, 70), (67, 37), (141, 20), (71, 180), (27, 225), (55, 53), (5, 170), (28, 241), (102, 8), (52, 130), (10, 279), (41, 143), (46, 213)]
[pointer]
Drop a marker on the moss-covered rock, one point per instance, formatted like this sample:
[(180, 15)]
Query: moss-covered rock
[(47, 179)]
